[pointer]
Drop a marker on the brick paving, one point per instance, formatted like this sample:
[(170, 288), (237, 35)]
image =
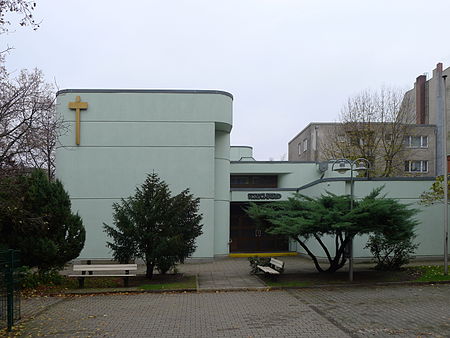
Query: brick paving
[(400, 311), (32, 307), (390, 311), (225, 273), (234, 273), (225, 314)]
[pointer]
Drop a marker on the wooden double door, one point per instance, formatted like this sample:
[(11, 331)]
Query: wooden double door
[(245, 236)]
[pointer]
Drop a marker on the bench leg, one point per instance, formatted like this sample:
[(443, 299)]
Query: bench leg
[(125, 281), (81, 282), (273, 277)]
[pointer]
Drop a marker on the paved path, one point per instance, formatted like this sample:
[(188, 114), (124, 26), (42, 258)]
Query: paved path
[(234, 273), (403, 311), (226, 273), (400, 311)]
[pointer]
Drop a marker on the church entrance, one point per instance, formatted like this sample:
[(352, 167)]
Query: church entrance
[(246, 237)]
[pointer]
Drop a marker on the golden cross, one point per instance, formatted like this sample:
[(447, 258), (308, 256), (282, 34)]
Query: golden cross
[(77, 105)]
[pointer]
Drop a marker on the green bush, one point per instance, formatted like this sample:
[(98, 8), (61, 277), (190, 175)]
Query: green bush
[(165, 263), (255, 261), (391, 253), (30, 279)]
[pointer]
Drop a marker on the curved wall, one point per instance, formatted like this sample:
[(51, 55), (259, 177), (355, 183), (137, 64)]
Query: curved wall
[(125, 135)]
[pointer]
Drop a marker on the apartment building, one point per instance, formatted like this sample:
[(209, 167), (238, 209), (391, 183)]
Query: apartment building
[(416, 155)]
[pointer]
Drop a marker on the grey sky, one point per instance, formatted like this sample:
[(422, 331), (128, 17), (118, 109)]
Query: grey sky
[(287, 63)]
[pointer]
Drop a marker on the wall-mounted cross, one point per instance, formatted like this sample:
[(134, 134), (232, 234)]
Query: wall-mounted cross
[(78, 106)]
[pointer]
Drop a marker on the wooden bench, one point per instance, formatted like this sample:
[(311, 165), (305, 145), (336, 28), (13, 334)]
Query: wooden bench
[(91, 268), (274, 269)]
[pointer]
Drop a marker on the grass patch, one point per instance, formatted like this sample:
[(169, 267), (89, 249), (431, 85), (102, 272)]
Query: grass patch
[(339, 277), (186, 282), (72, 283), (424, 273), (431, 273), (158, 282)]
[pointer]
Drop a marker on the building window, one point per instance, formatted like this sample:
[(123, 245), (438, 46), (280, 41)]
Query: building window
[(299, 148), (254, 181), (305, 144), (416, 166), (416, 141)]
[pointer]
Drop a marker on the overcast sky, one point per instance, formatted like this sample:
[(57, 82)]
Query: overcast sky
[(287, 62)]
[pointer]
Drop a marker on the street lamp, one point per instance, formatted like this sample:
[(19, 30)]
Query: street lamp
[(343, 165)]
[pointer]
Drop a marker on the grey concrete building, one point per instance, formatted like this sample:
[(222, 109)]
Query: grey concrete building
[(428, 96), (416, 158)]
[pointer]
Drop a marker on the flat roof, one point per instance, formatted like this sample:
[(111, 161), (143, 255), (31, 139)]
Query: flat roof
[(155, 91)]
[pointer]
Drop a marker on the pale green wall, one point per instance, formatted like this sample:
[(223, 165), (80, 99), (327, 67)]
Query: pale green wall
[(430, 229), (297, 174), (290, 174), (222, 193), (182, 136), (241, 152)]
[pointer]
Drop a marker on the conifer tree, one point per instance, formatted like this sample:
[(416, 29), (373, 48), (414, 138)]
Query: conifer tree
[(154, 226), (303, 218), (39, 222)]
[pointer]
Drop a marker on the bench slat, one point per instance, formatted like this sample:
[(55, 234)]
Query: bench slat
[(277, 263), (104, 267), (130, 275), (268, 269)]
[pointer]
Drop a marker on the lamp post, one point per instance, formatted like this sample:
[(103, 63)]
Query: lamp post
[(343, 165)]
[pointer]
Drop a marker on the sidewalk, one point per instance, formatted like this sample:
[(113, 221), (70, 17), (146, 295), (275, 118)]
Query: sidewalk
[(234, 273)]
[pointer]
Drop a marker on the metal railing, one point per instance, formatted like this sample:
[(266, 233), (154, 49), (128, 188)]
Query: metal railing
[(9, 288)]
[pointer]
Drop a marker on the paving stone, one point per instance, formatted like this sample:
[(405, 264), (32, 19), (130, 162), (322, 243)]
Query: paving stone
[(394, 311), (400, 311), (228, 314)]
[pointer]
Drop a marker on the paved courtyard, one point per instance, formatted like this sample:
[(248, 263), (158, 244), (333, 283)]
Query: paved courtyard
[(401, 311)]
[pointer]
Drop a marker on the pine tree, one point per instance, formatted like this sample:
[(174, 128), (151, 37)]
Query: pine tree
[(39, 222), (303, 218), (154, 226)]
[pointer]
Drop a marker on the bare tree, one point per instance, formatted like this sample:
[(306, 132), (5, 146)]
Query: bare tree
[(23, 8), (373, 125), (29, 126)]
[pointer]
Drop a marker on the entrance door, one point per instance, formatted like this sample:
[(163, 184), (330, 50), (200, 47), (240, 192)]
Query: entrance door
[(246, 237)]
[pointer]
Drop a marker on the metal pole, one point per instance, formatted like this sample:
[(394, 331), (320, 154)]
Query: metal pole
[(10, 290), (350, 259), (445, 135)]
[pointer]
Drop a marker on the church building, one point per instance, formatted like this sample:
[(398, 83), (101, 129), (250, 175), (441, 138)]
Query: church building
[(115, 138)]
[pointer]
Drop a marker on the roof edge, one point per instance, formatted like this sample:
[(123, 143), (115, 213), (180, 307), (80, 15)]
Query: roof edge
[(155, 91)]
